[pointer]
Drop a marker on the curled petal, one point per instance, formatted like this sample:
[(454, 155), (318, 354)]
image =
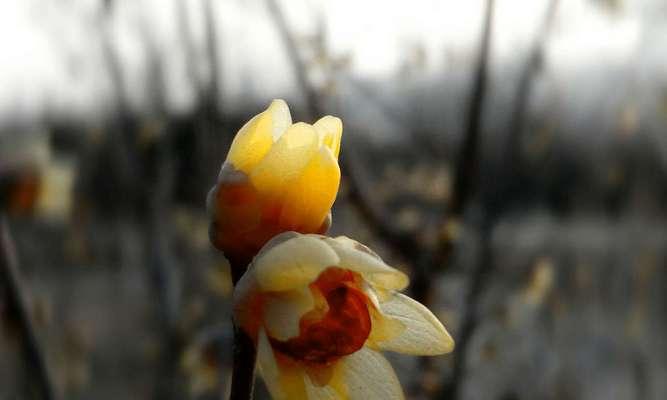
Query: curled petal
[(359, 258), (283, 382), (369, 375), (284, 310), (268, 367), (281, 118), (421, 332), (331, 388), (293, 264), (252, 142), (286, 160), (311, 195), (315, 392), (330, 131)]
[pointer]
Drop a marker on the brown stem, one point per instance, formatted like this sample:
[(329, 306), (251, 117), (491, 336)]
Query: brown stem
[(18, 311), (245, 353)]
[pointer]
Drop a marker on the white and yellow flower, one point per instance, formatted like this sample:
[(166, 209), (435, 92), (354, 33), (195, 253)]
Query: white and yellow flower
[(321, 310), (278, 177)]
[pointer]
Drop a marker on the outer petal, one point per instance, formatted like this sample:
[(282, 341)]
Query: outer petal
[(330, 130), (286, 160), (252, 142), (268, 366), (312, 194), (316, 392), (284, 310), (283, 383), (281, 119), (422, 333), (370, 376), (293, 264), (357, 257)]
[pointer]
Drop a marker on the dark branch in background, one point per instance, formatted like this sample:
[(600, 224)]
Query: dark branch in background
[(313, 105), (524, 90), (147, 176), (359, 185), (492, 210), (466, 169), (163, 272), (466, 177), (212, 94), (17, 311), (467, 165)]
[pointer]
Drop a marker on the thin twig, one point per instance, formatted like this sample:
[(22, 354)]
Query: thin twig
[(524, 90), (313, 106), (467, 165), (468, 324), (484, 265), (155, 197), (212, 93), (17, 309), (163, 273), (466, 173), (359, 189)]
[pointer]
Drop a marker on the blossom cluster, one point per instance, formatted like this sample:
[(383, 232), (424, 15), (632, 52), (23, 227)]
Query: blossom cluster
[(320, 310)]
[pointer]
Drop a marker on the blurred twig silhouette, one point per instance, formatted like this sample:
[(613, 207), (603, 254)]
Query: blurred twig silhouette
[(493, 205), (17, 310), (147, 173)]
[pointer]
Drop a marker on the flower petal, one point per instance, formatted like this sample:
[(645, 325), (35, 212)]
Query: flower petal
[(281, 119), (284, 310), (370, 376), (311, 195), (316, 392), (286, 159), (359, 258), (283, 383), (293, 264), (330, 130), (422, 335), (268, 367), (252, 142)]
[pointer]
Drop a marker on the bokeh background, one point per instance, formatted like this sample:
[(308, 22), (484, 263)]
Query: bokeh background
[(510, 155)]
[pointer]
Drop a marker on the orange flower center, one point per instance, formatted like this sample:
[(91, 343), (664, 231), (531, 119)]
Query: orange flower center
[(342, 330)]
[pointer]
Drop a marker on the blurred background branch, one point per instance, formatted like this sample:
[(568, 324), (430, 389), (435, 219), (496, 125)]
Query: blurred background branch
[(18, 315)]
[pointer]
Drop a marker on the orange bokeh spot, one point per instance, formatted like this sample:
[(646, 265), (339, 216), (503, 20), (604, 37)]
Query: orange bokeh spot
[(342, 330), (20, 190)]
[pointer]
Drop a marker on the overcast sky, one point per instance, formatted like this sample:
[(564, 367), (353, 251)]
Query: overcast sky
[(53, 63)]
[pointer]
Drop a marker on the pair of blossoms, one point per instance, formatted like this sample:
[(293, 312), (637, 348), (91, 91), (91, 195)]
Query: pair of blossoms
[(319, 309)]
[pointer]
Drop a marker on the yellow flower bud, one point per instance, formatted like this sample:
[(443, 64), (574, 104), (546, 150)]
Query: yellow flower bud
[(321, 310), (277, 177)]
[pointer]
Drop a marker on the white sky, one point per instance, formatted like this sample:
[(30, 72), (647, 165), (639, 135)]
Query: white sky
[(52, 60)]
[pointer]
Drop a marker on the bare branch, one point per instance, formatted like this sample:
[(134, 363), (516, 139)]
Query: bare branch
[(524, 90), (212, 94), (484, 267), (17, 310), (313, 106), (467, 165)]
